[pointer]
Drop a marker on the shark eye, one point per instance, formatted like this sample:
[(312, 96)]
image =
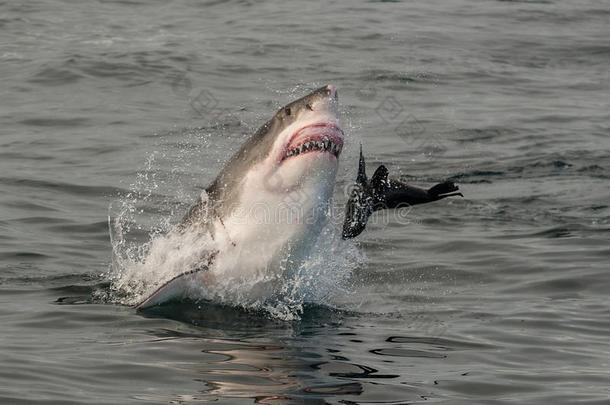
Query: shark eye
[(309, 106), (287, 111)]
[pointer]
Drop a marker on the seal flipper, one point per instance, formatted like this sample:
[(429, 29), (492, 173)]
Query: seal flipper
[(359, 207), (380, 180), (401, 194), (381, 192), (443, 189)]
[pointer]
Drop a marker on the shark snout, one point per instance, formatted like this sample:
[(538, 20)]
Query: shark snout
[(324, 99), (332, 91)]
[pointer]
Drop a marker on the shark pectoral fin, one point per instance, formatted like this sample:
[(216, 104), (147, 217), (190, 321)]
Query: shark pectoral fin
[(176, 288), (170, 291)]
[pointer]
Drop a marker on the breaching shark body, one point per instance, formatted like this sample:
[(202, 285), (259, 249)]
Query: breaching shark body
[(262, 214)]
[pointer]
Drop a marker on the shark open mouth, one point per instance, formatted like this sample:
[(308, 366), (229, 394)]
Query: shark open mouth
[(322, 137)]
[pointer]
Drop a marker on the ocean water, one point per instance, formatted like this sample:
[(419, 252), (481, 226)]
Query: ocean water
[(130, 108)]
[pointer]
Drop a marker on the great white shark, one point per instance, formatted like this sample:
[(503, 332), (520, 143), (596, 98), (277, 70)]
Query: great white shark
[(264, 211)]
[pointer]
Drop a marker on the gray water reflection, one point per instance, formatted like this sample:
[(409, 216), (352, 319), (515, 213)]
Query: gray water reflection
[(239, 354)]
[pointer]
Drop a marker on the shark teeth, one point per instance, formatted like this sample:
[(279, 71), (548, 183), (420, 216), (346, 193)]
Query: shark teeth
[(323, 145)]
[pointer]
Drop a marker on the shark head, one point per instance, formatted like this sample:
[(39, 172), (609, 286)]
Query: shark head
[(296, 151), (307, 127), (306, 142)]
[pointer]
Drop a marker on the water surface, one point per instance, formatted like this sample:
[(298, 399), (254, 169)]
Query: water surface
[(501, 297)]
